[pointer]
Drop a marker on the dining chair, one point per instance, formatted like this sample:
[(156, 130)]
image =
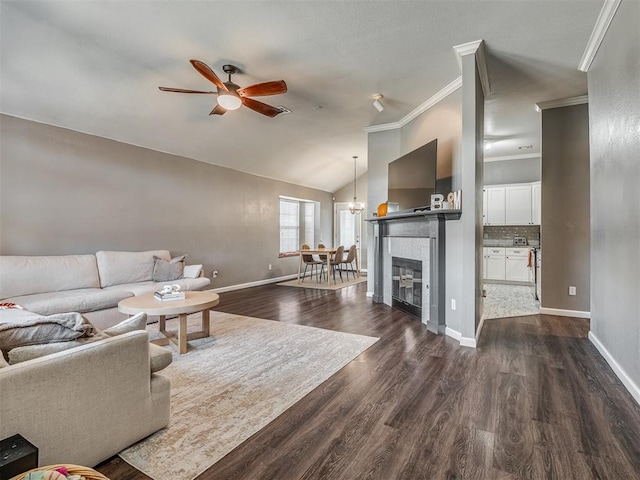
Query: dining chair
[(309, 261), (336, 260), (351, 257)]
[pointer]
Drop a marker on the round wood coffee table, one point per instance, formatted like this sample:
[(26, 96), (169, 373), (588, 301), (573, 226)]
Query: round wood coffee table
[(194, 302)]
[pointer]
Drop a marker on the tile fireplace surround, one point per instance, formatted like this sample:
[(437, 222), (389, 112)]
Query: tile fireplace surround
[(416, 236)]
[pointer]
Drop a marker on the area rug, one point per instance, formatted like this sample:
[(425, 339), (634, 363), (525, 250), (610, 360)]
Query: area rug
[(310, 283), (509, 301), (232, 384)]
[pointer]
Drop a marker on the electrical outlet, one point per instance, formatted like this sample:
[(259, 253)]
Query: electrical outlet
[(572, 290), (453, 304), (214, 274), (269, 266)]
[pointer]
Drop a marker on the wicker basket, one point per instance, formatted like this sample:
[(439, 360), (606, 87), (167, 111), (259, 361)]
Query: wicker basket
[(86, 472)]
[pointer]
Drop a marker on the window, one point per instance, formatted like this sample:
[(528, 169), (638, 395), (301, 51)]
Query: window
[(297, 224)]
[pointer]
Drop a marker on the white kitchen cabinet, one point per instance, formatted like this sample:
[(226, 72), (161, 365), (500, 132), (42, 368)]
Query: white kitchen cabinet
[(494, 263), (516, 265), (518, 204), (536, 203), (495, 213), (484, 206)]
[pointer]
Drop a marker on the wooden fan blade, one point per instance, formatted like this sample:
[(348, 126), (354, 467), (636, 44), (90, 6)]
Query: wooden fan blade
[(218, 110), (263, 89), (181, 90), (260, 107), (207, 73)]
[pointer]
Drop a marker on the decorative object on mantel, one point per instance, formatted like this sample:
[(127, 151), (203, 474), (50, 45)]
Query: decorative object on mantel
[(355, 206), (382, 209), (436, 201), (457, 199)]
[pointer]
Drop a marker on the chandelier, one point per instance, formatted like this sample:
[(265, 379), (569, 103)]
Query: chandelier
[(355, 207)]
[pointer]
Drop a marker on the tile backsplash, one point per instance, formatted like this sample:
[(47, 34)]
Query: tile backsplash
[(504, 232)]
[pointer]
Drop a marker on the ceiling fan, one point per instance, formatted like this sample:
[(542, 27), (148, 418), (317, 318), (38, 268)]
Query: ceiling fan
[(232, 96)]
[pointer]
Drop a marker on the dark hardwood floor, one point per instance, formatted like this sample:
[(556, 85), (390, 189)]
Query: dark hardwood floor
[(534, 400)]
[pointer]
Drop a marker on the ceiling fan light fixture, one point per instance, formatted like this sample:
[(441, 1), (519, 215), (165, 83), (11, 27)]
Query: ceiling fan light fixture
[(229, 101)]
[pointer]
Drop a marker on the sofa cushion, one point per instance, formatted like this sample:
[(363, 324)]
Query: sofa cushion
[(192, 271), (22, 275), (83, 300), (38, 330), (29, 352), (187, 284), (15, 315), (116, 268), (167, 271)]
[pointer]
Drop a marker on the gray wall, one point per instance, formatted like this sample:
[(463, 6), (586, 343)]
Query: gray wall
[(64, 192), (565, 207), (523, 170), (444, 122), (345, 194), (472, 179), (614, 114)]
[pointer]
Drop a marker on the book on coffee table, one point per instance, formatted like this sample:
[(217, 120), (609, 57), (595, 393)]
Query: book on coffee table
[(168, 296)]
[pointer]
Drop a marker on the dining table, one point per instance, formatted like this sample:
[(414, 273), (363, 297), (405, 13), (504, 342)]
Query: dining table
[(326, 252)]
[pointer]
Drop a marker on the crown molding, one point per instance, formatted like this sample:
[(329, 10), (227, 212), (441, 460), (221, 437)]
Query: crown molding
[(476, 47), (599, 31), (434, 100), (563, 102), (522, 156)]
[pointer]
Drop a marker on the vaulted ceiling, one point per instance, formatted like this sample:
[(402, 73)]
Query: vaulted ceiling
[(95, 67)]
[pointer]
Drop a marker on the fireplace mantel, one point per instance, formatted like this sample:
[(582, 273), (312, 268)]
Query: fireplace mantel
[(428, 225)]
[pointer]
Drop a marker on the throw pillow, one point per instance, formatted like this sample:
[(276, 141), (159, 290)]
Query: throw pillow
[(60, 327), (192, 271), (137, 322), (167, 271)]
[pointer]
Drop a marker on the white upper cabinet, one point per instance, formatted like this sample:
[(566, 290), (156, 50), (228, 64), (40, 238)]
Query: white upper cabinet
[(495, 206), (536, 203), (517, 204)]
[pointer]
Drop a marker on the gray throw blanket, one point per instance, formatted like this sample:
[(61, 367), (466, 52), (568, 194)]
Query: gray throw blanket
[(60, 327)]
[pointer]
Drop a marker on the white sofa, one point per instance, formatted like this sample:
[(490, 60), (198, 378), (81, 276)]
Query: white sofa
[(89, 284), (85, 404)]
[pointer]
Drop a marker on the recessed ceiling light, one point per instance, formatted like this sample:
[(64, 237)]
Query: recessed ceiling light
[(525, 147)]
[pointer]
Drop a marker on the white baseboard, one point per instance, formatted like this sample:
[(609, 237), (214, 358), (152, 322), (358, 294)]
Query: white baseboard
[(468, 342), (565, 313), (257, 283), (630, 385), (456, 335), (450, 332)]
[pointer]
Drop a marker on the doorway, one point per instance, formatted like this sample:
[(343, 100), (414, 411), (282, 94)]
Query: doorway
[(347, 226)]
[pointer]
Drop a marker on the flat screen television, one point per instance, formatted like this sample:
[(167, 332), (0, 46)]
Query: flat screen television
[(413, 178)]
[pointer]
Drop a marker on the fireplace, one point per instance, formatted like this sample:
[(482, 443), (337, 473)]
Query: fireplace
[(417, 236), (406, 286)]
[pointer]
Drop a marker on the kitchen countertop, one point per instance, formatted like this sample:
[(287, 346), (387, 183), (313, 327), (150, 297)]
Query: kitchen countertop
[(509, 243)]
